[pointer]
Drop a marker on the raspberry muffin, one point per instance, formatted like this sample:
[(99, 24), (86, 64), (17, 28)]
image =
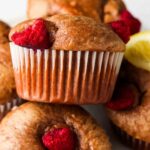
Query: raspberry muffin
[(7, 82), (54, 127), (129, 109), (65, 59), (107, 11), (42, 8)]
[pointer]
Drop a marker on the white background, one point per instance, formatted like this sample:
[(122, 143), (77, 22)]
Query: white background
[(13, 11)]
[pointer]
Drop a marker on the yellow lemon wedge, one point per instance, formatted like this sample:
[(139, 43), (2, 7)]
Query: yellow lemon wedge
[(138, 50)]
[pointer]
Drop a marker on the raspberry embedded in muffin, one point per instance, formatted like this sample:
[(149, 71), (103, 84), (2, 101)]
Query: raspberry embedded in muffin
[(35, 36), (124, 98), (122, 29), (134, 124), (60, 139), (126, 25), (60, 127)]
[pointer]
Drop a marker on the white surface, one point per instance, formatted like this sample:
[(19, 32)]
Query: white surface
[(12, 10), (141, 9)]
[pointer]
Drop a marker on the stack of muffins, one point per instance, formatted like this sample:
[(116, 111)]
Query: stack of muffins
[(66, 57)]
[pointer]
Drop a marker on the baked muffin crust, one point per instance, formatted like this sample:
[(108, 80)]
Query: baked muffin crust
[(100, 10), (135, 121), (73, 7), (78, 33), (112, 10), (22, 128)]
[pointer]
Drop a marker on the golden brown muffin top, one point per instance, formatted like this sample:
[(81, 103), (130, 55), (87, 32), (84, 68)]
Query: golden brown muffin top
[(89, 8), (23, 127), (100, 10), (4, 31), (78, 33), (135, 122)]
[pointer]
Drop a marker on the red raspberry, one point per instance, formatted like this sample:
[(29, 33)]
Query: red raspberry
[(122, 29), (124, 100), (131, 21), (60, 139), (35, 36)]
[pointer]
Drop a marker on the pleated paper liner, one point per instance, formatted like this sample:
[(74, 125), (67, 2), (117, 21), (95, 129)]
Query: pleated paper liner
[(71, 77), (130, 141), (6, 107)]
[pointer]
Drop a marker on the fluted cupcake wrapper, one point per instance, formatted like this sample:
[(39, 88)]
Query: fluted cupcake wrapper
[(6, 107), (59, 76), (131, 141)]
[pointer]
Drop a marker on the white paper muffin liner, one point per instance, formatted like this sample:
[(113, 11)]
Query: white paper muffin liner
[(71, 77), (6, 107), (130, 141)]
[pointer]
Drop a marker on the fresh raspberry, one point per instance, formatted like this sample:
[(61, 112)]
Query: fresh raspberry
[(35, 36), (122, 29), (125, 99), (131, 21), (60, 139)]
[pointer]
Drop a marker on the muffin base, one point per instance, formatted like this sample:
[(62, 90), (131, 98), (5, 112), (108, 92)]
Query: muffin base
[(129, 140), (6, 107), (70, 77)]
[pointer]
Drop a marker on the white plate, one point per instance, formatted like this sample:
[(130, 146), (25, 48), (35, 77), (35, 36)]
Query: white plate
[(10, 11)]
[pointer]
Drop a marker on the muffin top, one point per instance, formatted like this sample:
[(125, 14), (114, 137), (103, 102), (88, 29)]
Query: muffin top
[(40, 8), (99, 10), (32, 125), (65, 32), (136, 121)]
